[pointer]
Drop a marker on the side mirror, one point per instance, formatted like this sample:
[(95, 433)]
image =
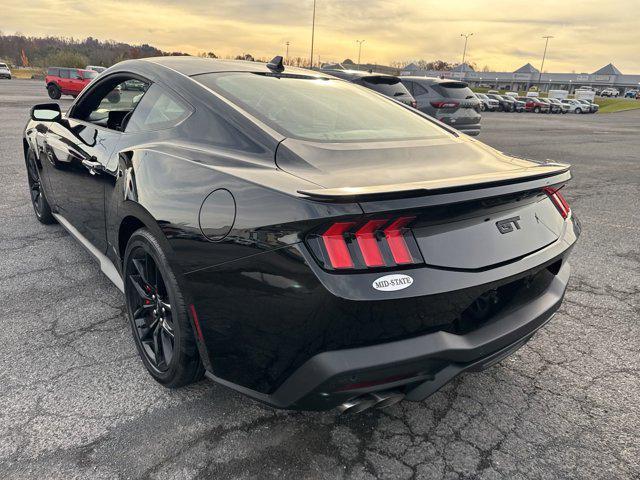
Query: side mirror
[(48, 112)]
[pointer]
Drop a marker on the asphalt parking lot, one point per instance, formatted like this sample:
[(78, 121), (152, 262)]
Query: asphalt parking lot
[(75, 401)]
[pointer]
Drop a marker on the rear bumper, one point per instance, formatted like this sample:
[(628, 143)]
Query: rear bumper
[(420, 365)]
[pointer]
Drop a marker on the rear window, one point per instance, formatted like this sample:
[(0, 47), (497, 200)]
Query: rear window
[(320, 109), (456, 90), (389, 86)]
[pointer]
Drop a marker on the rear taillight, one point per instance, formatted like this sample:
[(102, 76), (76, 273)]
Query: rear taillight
[(336, 246), (558, 200), (372, 243), (395, 238), (444, 104)]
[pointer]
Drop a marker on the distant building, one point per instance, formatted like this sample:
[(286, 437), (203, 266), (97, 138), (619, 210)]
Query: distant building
[(528, 76)]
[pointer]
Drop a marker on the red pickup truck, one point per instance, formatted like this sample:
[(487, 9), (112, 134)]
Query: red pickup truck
[(532, 104), (67, 81)]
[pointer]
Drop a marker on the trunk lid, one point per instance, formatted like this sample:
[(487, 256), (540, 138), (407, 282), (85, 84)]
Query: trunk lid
[(370, 168), (473, 207), (488, 237)]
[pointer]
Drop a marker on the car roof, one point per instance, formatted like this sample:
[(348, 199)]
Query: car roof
[(356, 73), (189, 66), (430, 80)]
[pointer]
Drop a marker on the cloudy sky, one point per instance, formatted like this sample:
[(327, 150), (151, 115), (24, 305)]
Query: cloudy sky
[(588, 33)]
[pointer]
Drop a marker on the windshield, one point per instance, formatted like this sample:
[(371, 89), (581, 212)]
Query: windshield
[(3, 65), (320, 109)]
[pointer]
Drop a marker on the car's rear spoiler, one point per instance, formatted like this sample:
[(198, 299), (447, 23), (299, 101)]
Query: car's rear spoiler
[(430, 187)]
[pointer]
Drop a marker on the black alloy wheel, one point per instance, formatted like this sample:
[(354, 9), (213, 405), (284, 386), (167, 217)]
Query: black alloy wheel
[(151, 311), (38, 199), (158, 314)]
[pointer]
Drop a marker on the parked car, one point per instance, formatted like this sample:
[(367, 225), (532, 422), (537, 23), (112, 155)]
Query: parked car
[(610, 92), (302, 240), (67, 81), (592, 106), (4, 71), (96, 68), (575, 106), (520, 105), (631, 93), (450, 101), (506, 104), (135, 85), (388, 85), (563, 108), (487, 103), (553, 107), (534, 104)]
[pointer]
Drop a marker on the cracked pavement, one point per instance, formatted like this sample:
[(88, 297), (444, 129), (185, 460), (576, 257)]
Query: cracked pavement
[(76, 402)]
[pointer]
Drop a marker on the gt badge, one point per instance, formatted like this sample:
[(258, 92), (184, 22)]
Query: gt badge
[(506, 226)]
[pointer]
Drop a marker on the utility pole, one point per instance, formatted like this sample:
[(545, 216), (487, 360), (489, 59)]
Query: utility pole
[(359, 42), (544, 55), (464, 51), (313, 30), (286, 58)]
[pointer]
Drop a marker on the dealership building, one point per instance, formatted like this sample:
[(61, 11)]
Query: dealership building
[(527, 76)]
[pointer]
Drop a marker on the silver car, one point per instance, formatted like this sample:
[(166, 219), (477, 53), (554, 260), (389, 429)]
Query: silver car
[(4, 71), (487, 103), (593, 107), (450, 101), (575, 106)]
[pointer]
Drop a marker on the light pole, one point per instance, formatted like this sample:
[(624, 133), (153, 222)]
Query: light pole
[(313, 30), (359, 42), (286, 58), (544, 55), (466, 39)]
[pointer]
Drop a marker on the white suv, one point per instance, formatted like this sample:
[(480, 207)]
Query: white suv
[(609, 92), (4, 71), (575, 106)]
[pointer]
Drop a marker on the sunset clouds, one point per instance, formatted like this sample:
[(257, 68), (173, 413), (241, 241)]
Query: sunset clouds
[(588, 34)]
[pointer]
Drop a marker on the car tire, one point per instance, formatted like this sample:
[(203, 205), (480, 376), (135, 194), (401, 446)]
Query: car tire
[(536, 110), (482, 107), (54, 91), (176, 362), (578, 110), (39, 201)]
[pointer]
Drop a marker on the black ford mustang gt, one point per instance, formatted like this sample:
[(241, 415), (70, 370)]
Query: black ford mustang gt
[(303, 240)]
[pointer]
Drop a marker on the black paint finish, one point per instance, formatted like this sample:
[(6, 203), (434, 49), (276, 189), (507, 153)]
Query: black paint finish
[(221, 192)]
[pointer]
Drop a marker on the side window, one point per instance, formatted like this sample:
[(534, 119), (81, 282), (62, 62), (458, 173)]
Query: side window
[(409, 86), (64, 73), (157, 110), (110, 103), (420, 90), (53, 72)]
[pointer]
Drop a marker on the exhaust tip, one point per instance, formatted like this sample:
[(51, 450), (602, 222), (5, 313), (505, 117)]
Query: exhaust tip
[(386, 399), (356, 405)]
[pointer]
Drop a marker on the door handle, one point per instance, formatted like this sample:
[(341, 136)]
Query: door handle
[(93, 165)]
